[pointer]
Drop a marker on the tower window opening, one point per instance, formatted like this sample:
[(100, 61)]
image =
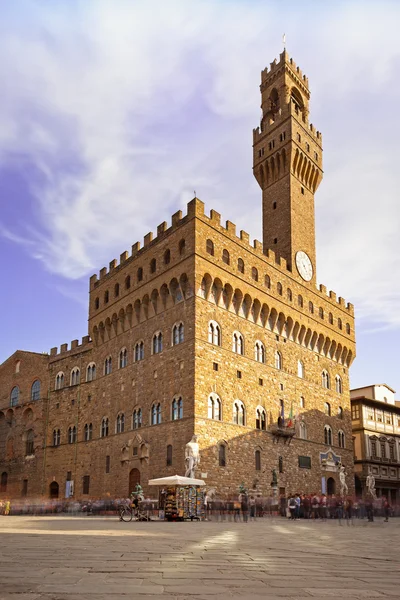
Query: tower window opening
[(275, 240), (298, 137), (308, 147), (282, 136), (271, 145), (302, 191), (274, 205)]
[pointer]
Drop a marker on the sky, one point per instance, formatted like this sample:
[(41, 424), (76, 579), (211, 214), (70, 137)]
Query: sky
[(113, 111)]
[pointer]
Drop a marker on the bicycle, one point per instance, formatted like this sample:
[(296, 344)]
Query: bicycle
[(125, 513)]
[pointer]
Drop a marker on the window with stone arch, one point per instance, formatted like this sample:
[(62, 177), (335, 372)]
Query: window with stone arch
[(278, 360), (139, 274), (348, 330), (300, 301), (321, 312), (72, 435), (120, 423), (157, 345), (177, 409), (237, 343), (56, 437), (289, 295), (254, 273), (88, 432), (327, 409), (300, 369), (214, 407), (279, 288), (59, 382), (225, 257), (340, 412), (178, 333), (116, 290), (156, 414), (302, 431), (123, 358), (127, 282), (222, 455), (29, 443), (75, 376), (97, 303), (214, 333), (240, 265), (311, 307), (261, 418), (153, 265), (326, 380), (330, 318), (182, 247), (108, 365), (328, 435), (341, 439), (137, 418), (91, 371), (239, 413), (339, 322), (106, 297), (167, 257), (104, 427), (267, 282), (210, 247), (14, 396), (338, 384), (259, 352), (35, 390), (139, 351), (257, 458)]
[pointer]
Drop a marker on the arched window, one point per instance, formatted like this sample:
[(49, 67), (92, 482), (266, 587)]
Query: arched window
[(56, 437), (300, 301), (340, 412), (178, 332), (91, 372), (169, 455), (338, 384), (167, 257), (267, 281), (261, 418), (327, 409), (97, 303), (225, 257), (237, 343), (127, 282), (116, 290), (278, 360), (280, 464), (14, 396), (137, 418), (240, 265), (177, 409), (239, 414), (29, 443), (279, 288), (35, 390), (59, 384), (289, 295), (182, 247), (222, 455), (214, 407), (348, 329), (120, 425), (300, 369), (75, 376), (341, 439), (302, 431), (3, 482), (88, 432), (157, 342), (326, 380), (156, 414), (254, 274), (104, 427), (106, 297), (214, 333), (210, 247), (257, 456), (302, 402), (72, 435), (140, 274), (259, 352), (330, 318), (321, 313), (123, 358), (311, 307), (153, 265), (328, 435), (107, 366), (139, 351), (339, 322)]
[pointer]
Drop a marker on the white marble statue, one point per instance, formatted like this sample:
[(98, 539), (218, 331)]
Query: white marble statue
[(192, 457), (342, 479), (370, 483)]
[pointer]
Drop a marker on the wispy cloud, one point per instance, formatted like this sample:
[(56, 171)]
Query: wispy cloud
[(123, 109)]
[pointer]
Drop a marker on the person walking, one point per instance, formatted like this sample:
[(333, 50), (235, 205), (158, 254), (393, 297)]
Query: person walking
[(252, 504), (323, 507), (386, 509), (298, 502), (292, 508), (244, 505)]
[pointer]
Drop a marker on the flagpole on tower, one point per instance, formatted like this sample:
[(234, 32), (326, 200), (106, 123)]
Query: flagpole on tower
[(284, 41)]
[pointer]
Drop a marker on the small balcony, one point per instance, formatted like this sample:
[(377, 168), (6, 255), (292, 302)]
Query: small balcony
[(283, 432)]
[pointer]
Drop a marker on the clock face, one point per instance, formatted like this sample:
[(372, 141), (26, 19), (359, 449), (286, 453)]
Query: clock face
[(304, 265)]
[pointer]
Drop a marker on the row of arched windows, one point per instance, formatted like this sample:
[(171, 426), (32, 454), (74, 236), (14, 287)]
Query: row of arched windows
[(15, 393), (328, 437), (210, 248), (139, 274), (178, 337)]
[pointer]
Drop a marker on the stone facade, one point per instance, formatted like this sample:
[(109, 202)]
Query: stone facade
[(207, 334)]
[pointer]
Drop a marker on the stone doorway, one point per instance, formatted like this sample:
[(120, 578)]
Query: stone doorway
[(54, 490), (331, 486), (134, 478)]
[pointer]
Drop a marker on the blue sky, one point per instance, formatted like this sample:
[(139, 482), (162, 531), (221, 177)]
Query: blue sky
[(112, 113)]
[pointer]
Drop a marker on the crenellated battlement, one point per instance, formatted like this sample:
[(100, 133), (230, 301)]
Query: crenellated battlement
[(276, 66), (85, 344), (278, 119)]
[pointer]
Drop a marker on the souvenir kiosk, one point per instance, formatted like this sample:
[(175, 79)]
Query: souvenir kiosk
[(180, 498)]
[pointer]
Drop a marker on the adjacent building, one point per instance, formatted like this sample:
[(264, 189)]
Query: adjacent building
[(200, 331)]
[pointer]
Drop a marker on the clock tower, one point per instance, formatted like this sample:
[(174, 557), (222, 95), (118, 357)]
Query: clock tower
[(287, 163)]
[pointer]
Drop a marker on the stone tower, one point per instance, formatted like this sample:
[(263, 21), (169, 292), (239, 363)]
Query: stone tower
[(287, 163)]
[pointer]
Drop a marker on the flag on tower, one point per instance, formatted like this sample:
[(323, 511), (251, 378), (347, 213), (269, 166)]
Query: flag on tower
[(290, 419)]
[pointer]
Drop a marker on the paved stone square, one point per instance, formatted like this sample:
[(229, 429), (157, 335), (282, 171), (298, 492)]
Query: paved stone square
[(78, 558)]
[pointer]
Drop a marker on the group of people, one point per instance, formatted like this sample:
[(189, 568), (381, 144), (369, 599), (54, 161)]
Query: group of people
[(321, 506)]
